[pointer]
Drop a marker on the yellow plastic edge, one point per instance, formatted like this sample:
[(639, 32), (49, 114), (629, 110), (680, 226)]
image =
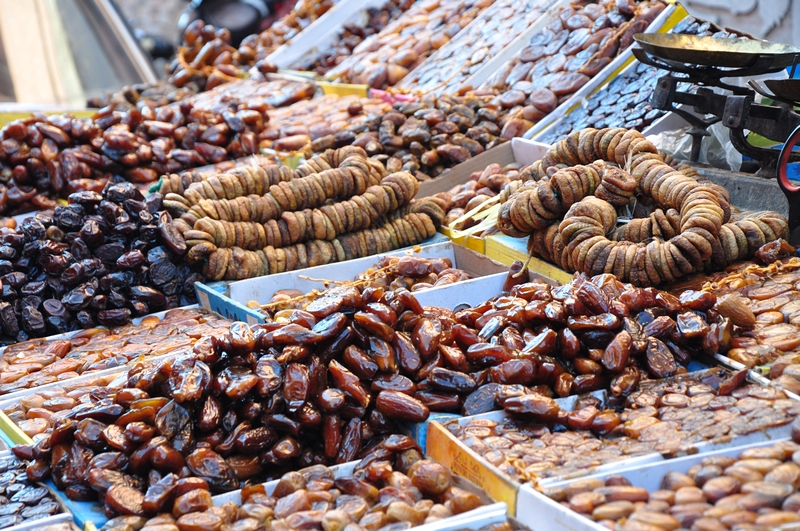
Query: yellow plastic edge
[(13, 431)]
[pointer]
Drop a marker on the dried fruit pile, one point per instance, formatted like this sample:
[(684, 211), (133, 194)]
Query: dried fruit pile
[(352, 35), (45, 157), (384, 59), (22, 501), (392, 486), (758, 489), (625, 101), (411, 273), (448, 68), (99, 260), (574, 46), (763, 301), (37, 362), (481, 187), (428, 137), (571, 202), (338, 206), (666, 416)]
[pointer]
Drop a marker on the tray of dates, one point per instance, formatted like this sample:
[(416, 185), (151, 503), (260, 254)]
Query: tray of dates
[(620, 95), (54, 360), (24, 504), (755, 487), (327, 42), (432, 266), (761, 301), (535, 442)]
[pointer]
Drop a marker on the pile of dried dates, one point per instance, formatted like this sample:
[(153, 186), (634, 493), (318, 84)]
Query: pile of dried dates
[(44, 157), (411, 273), (625, 101), (448, 68), (392, 488), (756, 490), (763, 303), (539, 440), (427, 137), (352, 35), (297, 126), (384, 59), (574, 46), (99, 260), (36, 362), (22, 501)]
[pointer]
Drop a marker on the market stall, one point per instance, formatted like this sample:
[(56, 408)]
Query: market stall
[(438, 265)]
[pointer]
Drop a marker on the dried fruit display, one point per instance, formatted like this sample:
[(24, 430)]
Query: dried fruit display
[(427, 137), (691, 227), (412, 273), (99, 260), (382, 60), (448, 68), (758, 489), (575, 45), (352, 35), (338, 206), (45, 157), (294, 127), (760, 300), (33, 363), (393, 485), (481, 187), (23, 501), (625, 101), (664, 416)]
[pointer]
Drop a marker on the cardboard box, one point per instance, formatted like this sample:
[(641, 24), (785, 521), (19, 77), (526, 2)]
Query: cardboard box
[(547, 515), (519, 150), (261, 289)]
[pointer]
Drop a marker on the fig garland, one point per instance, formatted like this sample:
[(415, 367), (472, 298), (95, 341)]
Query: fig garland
[(568, 207)]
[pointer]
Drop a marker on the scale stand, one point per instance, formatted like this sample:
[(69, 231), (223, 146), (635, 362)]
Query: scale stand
[(738, 111)]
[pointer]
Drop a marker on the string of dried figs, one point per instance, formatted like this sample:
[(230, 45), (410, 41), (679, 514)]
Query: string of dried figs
[(539, 440), (407, 226), (449, 67), (393, 487), (99, 260), (429, 136), (326, 223), (382, 60), (24, 502), (760, 299), (352, 35), (576, 44), (581, 244), (264, 195), (413, 273), (36, 362), (758, 489)]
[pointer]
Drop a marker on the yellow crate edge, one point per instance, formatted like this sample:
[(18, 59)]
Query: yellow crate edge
[(497, 250), (450, 452), (13, 431)]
